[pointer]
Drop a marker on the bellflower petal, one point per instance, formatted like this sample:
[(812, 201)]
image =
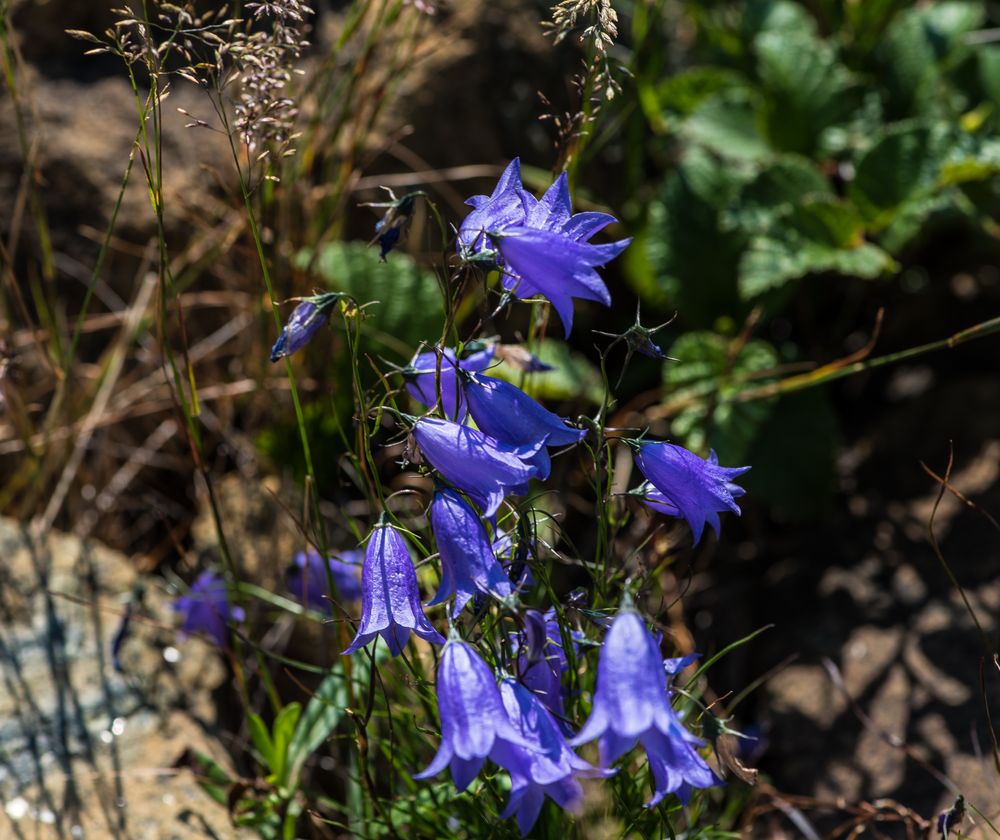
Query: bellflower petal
[(483, 467), (548, 767), (508, 414), (542, 262), (472, 715), (206, 609), (468, 562), (631, 703), (307, 578), (495, 212), (304, 322), (390, 597), (700, 489), (541, 659)]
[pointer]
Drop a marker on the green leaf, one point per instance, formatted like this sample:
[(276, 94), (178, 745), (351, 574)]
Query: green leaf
[(900, 165), (783, 183), (574, 377), (321, 716), (820, 235), (694, 257), (211, 776), (262, 740), (806, 86), (409, 308), (708, 367), (683, 92), (282, 731), (728, 123)]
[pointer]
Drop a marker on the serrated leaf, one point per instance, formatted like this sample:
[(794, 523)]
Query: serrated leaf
[(807, 88), (728, 124), (902, 163), (784, 182), (683, 92), (409, 308), (694, 258)]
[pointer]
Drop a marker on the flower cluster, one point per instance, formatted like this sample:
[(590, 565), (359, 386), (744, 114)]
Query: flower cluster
[(484, 441)]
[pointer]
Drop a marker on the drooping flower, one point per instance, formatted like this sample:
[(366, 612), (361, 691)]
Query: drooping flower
[(390, 597), (700, 489), (654, 499), (541, 660), (508, 414), (393, 223), (479, 465), (548, 768), (468, 564), (304, 322), (473, 721), (421, 379), (307, 579), (631, 704), (206, 609)]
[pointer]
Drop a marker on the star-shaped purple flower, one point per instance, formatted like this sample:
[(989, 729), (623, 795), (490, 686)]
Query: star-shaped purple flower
[(697, 488), (481, 466)]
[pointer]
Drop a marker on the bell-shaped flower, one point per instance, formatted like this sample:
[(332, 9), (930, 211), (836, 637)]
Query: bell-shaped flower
[(422, 383), (308, 580), (541, 660), (700, 489), (631, 704), (304, 322), (468, 562), (206, 609), (508, 414), (492, 213), (547, 768), (481, 466), (473, 721), (390, 597)]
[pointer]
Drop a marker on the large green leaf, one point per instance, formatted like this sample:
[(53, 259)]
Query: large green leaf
[(784, 182), (409, 308), (818, 236), (807, 89), (728, 123), (901, 164), (694, 258)]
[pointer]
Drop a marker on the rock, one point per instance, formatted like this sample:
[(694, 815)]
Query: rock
[(87, 751)]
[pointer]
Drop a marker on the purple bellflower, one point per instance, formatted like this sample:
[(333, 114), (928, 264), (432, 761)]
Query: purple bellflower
[(206, 609), (548, 768), (473, 722), (632, 704), (698, 488), (468, 563), (541, 660), (390, 598), (505, 412), (304, 322), (484, 468), (421, 379), (307, 579), (542, 247)]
